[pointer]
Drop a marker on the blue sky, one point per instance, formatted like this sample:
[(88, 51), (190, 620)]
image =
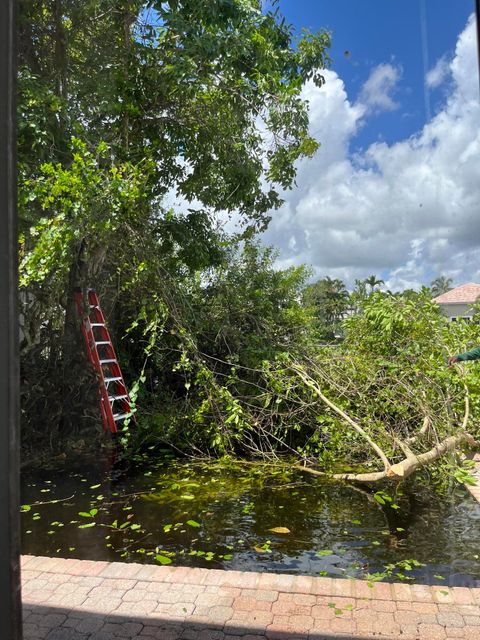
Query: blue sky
[(394, 189), (409, 33)]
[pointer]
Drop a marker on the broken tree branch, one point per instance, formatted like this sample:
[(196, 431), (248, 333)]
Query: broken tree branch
[(406, 467), (314, 386)]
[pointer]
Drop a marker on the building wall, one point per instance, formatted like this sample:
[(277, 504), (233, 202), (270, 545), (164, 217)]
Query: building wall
[(454, 311)]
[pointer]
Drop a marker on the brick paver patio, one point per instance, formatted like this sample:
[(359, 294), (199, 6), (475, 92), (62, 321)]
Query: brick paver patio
[(68, 599)]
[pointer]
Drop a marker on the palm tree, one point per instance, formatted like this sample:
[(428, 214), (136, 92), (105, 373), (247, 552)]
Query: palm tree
[(440, 285), (373, 282), (330, 299)]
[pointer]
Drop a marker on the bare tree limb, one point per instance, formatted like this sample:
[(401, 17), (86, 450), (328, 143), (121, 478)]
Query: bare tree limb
[(406, 467), (314, 386), (425, 428)]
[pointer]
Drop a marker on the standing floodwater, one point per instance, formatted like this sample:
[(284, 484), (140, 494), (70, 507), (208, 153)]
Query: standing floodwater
[(249, 518)]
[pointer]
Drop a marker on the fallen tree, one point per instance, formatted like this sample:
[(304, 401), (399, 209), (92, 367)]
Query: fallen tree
[(380, 406), (411, 462)]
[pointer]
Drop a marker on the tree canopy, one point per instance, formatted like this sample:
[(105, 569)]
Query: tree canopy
[(123, 105)]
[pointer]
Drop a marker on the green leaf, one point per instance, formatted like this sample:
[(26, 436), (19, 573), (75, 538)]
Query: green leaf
[(163, 559), (193, 523), (86, 525)]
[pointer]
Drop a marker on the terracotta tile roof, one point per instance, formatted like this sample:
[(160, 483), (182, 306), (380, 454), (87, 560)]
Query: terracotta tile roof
[(464, 293)]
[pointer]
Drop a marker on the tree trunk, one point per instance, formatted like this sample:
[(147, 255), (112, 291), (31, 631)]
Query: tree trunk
[(60, 52), (75, 379)]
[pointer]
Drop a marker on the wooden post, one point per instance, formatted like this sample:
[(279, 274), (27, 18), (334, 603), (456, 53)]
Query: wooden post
[(10, 608)]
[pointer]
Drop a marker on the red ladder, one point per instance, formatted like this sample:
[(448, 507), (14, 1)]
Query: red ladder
[(114, 400)]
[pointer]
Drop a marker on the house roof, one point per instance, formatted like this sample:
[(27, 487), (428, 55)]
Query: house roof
[(465, 293)]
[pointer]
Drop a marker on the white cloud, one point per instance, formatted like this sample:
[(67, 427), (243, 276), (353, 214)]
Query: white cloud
[(408, 211), (437, 75), (377, 91)]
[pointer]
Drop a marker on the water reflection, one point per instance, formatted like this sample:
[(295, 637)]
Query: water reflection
[(247, 518)]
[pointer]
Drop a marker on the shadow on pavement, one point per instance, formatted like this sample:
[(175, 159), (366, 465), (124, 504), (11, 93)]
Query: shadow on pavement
[(59, 623)]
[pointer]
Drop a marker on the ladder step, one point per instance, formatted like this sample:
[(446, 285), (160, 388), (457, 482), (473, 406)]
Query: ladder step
[(107, 361), (121, 416), (114, 379), (113, 398), (100, 342)]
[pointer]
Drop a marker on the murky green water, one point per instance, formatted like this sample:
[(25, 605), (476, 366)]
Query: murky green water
[(248, 518)]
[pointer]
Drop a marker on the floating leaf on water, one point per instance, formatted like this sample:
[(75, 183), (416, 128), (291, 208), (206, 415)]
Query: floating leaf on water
[(193, 523), (280, 530), (134, 527), (439, 577), (227, 556), (95, 486), (88, 514), (163, 559), (86, 525), (25, 507), (324, 552)]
